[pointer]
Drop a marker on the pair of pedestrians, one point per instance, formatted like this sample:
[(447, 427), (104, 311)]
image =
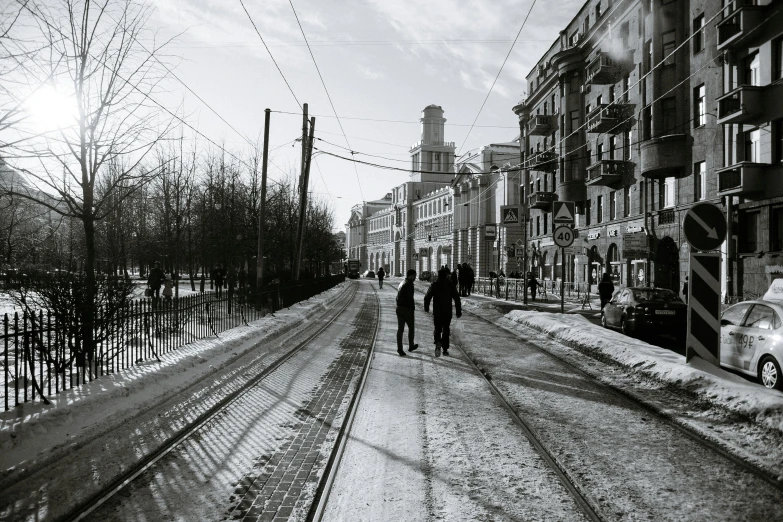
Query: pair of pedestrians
[(441, 293)]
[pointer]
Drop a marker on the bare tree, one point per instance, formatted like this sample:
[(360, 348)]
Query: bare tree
[(95, 48)]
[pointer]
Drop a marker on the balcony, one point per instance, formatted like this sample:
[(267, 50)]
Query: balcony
[(666, 217), (544, 161), (607, 173), (742, 179), (611, 118), (664, 157), (542, 200), (605, 70), (540, 125), (750, 104), (740, 19)]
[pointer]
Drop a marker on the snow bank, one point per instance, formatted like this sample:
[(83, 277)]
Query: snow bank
[(38, 431), (708, 382)]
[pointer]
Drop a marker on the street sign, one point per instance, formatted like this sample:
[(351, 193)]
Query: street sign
[(490, 231), (704, 226), (520, 260), (415, 256), (704, 307), (564, 236), (511, 215), (520, 243), (635, 245), (563, 212)]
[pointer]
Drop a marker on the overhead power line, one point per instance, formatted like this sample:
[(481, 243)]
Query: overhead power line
[(408, 121)]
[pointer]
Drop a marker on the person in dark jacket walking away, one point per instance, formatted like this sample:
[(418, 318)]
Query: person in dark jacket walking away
[(533, 284), (220, 276), (605, 289), (471, 280), (381, 275), (685, 290), (441, 293), (155, 280), (405, 309)]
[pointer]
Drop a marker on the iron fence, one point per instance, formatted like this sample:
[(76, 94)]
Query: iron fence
[(513, 289), (42, 353)]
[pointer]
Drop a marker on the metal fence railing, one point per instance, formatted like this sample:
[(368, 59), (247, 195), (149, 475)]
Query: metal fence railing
[(512, 289), (42, 353)]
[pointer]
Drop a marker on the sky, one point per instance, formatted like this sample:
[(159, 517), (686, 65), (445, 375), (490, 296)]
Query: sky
[(381, 62)]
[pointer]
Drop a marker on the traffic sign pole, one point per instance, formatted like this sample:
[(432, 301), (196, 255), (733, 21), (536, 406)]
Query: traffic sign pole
[(562, 280), (704, 308)]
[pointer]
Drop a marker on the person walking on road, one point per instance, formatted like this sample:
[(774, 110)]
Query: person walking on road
[(220, 277), (533, 285), (381, 275), (685, 290), (441, 292), (605, 289), (405, 310)]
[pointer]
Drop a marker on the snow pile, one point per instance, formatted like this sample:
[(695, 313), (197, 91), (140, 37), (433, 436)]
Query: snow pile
[(35, 431), (698, 377)]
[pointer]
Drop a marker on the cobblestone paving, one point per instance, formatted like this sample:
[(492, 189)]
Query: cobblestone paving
[(285, 485)]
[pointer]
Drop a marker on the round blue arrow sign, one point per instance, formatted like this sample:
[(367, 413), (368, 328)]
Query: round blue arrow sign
[(704, 226)]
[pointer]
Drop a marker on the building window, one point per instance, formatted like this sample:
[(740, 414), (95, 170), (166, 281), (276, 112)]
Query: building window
[(748, 232), (668, 43), (611, 94), (698, 34), (649, 60), (574, 39), (546, 108), (647, 123), (777, 229), (753, 146), (699, 106), (599, 151), (588, 210), (626, 201), (546, 221), (598, 10), (599, 207), (752, 69), (669, 106), (699, 180), (613, 205), (586, 26), (574, 121), (667, 193), (538, 225), (599, 100), (777, 130), (436, 161), (777, 56), (627, 146), (612, 147)]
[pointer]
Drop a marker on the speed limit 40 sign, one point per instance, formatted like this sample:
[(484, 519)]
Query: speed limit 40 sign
[(564, 236)]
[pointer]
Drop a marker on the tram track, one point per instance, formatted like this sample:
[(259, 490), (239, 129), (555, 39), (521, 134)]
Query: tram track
[(573, 486), (84, 510)]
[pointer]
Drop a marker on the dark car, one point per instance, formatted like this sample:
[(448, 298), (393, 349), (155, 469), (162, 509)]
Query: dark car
[(370, 274), (426, 275), (646, 310)]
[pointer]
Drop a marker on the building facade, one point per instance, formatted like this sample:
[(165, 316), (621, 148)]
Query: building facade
[(620, 118)]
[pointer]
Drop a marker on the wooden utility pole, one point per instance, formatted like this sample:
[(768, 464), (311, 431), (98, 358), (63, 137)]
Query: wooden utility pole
[(303, 201), (262, 207), (304, 145)]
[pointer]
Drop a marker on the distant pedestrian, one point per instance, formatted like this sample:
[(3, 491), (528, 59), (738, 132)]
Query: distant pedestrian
[(441, 292), (471, 279), (533, 285), (168, 288), (405, 311), (462, 278), (605, 289), (454, 278), (381, 275), (155, 279), (220, 278), (685, 290)]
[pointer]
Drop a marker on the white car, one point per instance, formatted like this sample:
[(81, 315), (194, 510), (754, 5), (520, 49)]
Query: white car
[(751, 340)]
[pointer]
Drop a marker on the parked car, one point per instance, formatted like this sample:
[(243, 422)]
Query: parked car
[(369, 273), (646, 310), (750, 340), (425, 275)]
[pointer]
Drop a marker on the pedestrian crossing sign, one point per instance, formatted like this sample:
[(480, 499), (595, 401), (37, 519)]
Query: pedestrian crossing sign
[(511, 214)]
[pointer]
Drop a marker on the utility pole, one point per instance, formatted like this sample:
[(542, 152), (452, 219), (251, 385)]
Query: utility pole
[(304, 145), (303, 199), (262, 209)]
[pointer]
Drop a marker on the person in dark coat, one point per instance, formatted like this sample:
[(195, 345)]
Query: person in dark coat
[(462, 277), (405, 310), (220, 277), (605, 289), (381, 275), (471, 280), (441, 293), (155, 280), (454, 278), (685, 290), (533, 286)]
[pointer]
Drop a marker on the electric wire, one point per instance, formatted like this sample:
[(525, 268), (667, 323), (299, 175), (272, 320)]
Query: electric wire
[(270, 53), (358, 181), (498, 74), (407, 121)]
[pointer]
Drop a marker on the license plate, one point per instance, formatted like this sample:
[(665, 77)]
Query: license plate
[(665, 312)]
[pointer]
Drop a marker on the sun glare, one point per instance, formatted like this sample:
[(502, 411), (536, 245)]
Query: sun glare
[(50, 109)]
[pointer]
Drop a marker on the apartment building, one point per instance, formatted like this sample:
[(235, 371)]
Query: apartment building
[(623, 117)]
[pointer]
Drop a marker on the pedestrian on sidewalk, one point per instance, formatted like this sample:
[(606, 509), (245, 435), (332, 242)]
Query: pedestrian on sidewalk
[(405, 310), (533, 286), (441, 292), (462, 278), (381, 275), (155, 279), (168, 288), (685, 290), (605, 289), (454, 278), (219, 276)]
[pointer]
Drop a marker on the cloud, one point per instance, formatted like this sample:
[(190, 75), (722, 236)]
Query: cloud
[(368, 73)]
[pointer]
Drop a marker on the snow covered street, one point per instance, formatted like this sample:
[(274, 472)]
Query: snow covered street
[(430, 440)]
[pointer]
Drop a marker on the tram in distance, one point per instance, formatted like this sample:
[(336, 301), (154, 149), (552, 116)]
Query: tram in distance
[(353, 266)]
